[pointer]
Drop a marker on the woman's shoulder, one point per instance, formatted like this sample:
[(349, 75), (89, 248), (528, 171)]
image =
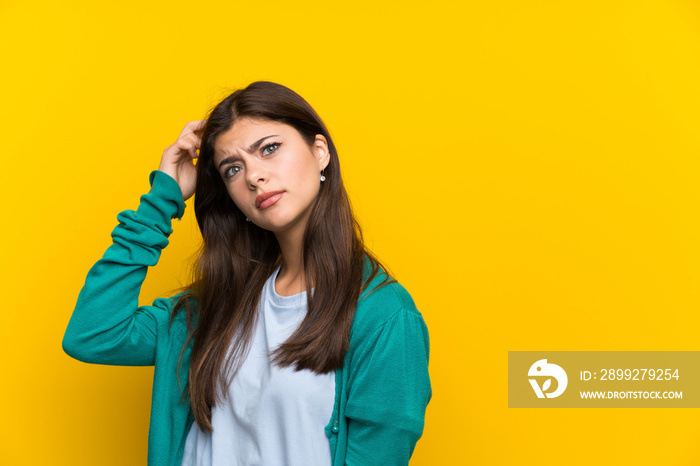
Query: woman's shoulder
[(386, 292), (383, 301)]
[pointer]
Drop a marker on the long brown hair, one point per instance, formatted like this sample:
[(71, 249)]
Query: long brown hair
[(237, 257)]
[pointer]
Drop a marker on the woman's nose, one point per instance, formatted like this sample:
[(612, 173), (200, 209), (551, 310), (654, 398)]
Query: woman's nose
[(256, 174)]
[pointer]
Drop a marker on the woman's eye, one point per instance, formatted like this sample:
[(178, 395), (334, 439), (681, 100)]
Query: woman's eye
[(230, 171), (274, 145)]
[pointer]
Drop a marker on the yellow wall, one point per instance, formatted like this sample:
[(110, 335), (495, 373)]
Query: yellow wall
[(528, 170)]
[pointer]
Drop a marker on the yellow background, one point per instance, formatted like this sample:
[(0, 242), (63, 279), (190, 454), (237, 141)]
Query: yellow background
[(528, 170)]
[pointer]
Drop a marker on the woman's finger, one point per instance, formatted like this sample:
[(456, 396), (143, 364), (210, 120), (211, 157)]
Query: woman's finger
[(185, 144), (198, 124), (191, 137), (193, 126), (195, 140)]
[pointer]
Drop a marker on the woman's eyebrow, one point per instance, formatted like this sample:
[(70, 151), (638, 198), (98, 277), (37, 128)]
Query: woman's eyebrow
[(253, 147), (225, 161)]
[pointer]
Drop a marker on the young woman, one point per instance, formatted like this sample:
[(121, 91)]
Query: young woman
[(292, 345)]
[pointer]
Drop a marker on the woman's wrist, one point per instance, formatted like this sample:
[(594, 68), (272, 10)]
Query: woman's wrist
[(164, 187)]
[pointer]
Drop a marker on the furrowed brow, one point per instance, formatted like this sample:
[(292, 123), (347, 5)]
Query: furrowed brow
[(253, 147), (225, 161)]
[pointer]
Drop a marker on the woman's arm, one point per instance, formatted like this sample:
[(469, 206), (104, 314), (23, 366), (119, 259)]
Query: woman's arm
[(107, 325), (389, 392)]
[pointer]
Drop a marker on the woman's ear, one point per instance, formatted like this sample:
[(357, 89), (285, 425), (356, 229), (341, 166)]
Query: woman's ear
[(321, 151)]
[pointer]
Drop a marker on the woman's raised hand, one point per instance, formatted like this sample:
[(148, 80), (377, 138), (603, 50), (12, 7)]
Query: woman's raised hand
[(178, 158)]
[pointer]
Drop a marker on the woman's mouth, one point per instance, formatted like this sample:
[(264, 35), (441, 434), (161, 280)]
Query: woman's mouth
[(265, 200)]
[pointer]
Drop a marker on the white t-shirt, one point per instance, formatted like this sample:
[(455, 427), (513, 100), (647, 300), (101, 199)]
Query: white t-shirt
[(273, 415)]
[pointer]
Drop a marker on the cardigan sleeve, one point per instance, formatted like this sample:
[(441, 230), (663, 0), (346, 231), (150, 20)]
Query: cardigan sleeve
[(389, 392), (107, 325)]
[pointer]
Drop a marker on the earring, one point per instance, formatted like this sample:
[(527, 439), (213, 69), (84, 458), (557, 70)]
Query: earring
[(323, 178), (247, 219)]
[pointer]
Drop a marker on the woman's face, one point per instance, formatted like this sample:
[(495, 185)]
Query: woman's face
[(270, 172)]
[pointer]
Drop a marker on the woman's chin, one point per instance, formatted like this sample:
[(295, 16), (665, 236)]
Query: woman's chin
[(275, 225)]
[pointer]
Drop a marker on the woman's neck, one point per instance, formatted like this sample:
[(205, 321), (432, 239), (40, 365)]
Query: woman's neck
[(291, 279)]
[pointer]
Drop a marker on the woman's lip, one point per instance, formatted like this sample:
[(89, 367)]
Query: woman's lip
[(265, 200)]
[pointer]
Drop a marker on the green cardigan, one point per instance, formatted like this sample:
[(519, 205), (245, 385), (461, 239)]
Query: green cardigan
[(381, 392)]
